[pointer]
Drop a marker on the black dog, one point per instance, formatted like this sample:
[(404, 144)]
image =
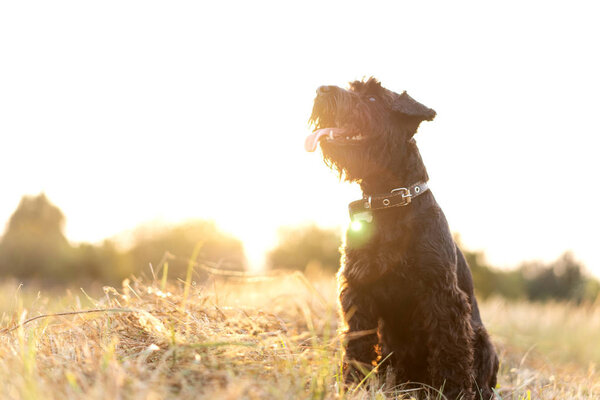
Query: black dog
[(405, 289)]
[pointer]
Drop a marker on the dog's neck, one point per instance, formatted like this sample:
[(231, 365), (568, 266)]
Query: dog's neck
[(404, 170)]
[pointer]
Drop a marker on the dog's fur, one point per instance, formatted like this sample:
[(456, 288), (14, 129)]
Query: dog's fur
[(402, 276)]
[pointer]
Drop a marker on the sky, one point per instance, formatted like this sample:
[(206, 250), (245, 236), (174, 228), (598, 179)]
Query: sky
[(125, 112)]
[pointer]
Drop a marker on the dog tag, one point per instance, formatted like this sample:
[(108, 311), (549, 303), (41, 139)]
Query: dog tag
[(366, 216)]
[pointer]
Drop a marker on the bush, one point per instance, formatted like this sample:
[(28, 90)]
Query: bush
[(306, 245), (150, 245), (562, 279)]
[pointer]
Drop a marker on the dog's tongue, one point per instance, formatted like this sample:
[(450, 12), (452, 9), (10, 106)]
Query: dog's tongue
[(312, 140)]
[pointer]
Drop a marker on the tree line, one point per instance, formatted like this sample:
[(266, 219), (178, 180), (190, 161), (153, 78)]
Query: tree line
[(564, 279), (34, 247)]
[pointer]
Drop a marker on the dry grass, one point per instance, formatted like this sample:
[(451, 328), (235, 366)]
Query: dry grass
[(274, 338)]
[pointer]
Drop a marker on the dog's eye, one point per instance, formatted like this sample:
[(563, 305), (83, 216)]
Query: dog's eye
[(372, 99)]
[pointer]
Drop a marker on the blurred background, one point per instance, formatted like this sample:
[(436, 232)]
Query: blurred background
[(132, 131)]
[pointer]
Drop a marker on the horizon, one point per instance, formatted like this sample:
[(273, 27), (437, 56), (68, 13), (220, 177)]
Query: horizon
[(125, 239), (124, 113)]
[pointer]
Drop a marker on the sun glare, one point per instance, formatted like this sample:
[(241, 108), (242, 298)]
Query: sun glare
[(165, 132), (356, 226)]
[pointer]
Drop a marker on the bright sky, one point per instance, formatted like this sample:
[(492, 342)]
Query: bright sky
[(130, 111)]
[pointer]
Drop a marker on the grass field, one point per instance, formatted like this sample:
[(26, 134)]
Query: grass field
[(269, 338)]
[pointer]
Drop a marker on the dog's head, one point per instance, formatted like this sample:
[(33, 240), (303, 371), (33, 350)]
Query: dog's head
[(364, 129)]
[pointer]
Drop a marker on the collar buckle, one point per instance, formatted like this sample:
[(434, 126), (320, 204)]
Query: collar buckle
[(406, 195)]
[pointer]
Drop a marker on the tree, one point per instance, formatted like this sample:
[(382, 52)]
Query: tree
[(34, 244)]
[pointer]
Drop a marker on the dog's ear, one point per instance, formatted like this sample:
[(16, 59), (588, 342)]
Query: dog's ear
[(407, 106)]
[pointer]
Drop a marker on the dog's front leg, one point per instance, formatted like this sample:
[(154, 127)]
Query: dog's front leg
[(360, 336), (450, 340)]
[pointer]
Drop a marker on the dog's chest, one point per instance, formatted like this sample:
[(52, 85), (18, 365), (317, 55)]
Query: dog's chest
[(397, 299), (385, 234)]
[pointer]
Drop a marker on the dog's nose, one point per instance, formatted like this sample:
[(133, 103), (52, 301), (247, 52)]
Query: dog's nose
[(324, 89)]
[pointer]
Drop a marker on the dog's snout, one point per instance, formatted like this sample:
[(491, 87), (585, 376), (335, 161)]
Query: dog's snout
[(324, 89)]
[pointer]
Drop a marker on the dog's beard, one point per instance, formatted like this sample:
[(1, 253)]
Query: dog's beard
[(343, 147), (354, 162)]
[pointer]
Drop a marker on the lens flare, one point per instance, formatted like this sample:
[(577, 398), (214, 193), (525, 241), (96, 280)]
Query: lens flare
[(356, 226)]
